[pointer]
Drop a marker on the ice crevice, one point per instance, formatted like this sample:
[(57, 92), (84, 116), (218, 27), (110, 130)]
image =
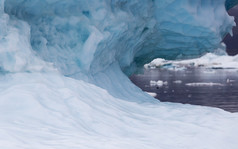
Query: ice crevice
[(64, 68)]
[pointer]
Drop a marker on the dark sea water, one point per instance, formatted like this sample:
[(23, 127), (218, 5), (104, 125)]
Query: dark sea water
[(215, 88)]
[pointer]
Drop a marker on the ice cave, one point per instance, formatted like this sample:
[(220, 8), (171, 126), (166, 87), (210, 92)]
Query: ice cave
[(64, 67)]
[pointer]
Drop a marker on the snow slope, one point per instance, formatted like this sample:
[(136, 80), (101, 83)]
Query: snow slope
[(52, 111), (63, 66)]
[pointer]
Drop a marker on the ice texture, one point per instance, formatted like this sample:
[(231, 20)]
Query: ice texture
[(87, 37), (63, 66), (209, 60), (231, 3), (16, 54)]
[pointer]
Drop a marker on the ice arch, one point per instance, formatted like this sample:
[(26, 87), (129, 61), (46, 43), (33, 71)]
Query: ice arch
[(83, 36), (96, 39)]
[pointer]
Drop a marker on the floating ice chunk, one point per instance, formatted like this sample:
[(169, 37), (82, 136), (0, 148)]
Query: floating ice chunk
[(158, 62), (153, 83), (210, 60), (158, 83), (204, 84), (209, 71), (177, 82), (152, 94), (230, 81)]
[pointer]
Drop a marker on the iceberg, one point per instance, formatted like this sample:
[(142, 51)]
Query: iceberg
[(81, 38), (64, 68), (208, 61)]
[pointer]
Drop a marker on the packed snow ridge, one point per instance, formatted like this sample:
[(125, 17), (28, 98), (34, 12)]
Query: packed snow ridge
[(64, 67)]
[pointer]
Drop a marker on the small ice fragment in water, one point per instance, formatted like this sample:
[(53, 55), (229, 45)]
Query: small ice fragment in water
[(204, 84), (165, 83), (152, 94), (178, 82), (158, 83), (153, 83), (230, 81)]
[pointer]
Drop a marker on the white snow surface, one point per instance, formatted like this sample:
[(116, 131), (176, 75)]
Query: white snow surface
[(52, 111)]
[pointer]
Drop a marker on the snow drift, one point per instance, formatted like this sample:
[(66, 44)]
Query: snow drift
[(63, 66)]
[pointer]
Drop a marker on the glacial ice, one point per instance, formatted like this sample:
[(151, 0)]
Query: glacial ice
[(63, 66), (158, 83), (208, 61), (230, 3), (81, 38)]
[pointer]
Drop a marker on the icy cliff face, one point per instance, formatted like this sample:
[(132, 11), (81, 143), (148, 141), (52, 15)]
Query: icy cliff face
[(87, 37)]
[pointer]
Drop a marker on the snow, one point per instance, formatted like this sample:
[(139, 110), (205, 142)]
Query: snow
[(160, 83), (53, 111), (64, 68), (210, 61), (156, 63)]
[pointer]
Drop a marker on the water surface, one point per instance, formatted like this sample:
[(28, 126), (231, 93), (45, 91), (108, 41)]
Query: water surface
[(221, 90)]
